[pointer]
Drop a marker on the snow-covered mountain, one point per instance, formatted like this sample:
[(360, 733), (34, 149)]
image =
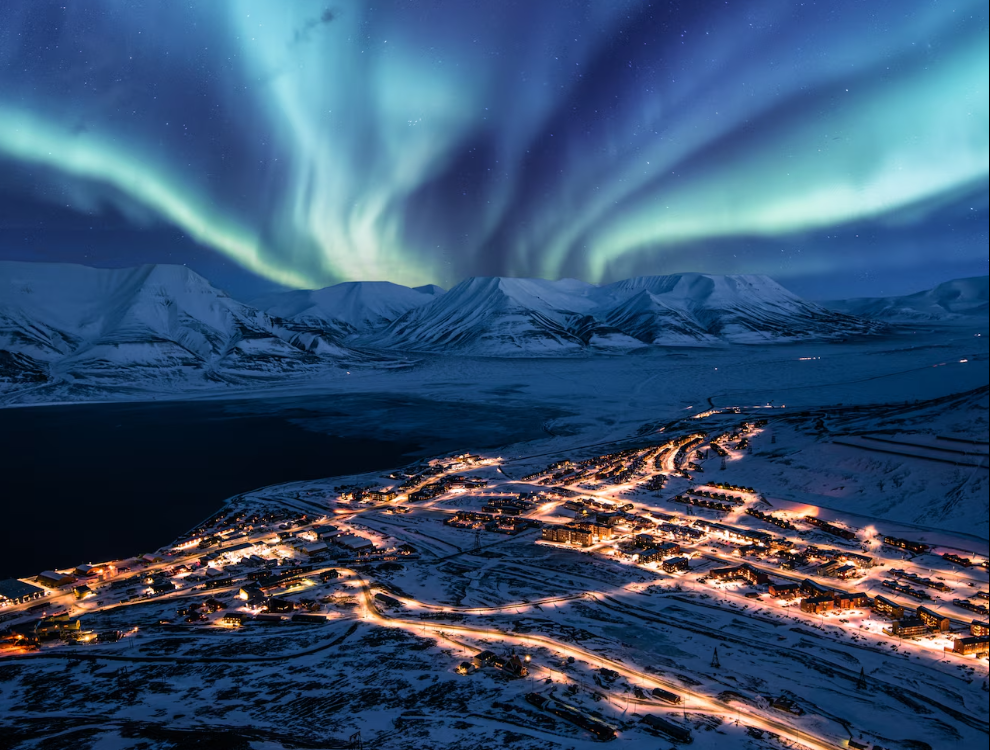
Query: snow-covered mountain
[(501, 316), (953, 301), (701, 309), (136, 326), (322, 320), (165, 327), (354, 306)]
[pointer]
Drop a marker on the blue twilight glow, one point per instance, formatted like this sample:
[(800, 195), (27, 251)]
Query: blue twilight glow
[(313, 142)]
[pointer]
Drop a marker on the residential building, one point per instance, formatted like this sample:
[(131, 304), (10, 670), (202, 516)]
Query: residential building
[(837, 569), (817, 605), (573, 533), (887, 608), (909, 627), (556, 533), (810, 588), (862, 561), (648, 556), (599, 531), (851, 601), (974, 644), (734, 534), (584, 537), (976, 627), (644, 541), (674, 564), (934, 620), (785, 590), (744, 571), (916, 547)]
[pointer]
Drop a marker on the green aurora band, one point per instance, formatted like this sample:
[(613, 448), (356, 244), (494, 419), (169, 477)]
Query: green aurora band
[(373, 114)]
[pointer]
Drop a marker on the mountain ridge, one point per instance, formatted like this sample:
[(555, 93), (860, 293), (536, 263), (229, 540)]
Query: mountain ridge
[(954, 300), (167, 325)]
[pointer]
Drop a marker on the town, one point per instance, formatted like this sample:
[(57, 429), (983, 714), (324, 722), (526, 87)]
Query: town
[(648, 519)]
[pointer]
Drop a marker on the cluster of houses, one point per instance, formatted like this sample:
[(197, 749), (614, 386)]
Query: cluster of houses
[(830, 528), (830, 563), (719, 496), (514, 505), (607, 469), (500, 523), (920, 580), (780, 523), (225, 526), (646, 548), (915, 547), (735, 534), (743, 572), (922, 621), (511, 665), (698, 502), (902, 588), (817, 599), (980, 609)]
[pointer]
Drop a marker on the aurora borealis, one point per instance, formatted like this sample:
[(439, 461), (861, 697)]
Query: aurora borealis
[(423, 142)]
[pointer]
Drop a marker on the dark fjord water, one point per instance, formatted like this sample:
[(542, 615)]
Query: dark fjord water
[(102, 481)]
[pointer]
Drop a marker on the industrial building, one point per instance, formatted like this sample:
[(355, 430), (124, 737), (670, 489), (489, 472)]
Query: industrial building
[(13, 591)]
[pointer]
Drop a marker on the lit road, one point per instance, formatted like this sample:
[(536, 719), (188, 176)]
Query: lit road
[(697, 701)]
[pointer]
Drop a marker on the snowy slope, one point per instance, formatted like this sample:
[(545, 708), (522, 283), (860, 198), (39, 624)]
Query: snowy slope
[(165, 324), (350, 307), (957, 300), (702, 309), (154, 322), (501, 316)]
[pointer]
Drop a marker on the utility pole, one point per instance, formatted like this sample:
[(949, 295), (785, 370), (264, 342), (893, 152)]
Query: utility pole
[(715, 661), (861, 682)]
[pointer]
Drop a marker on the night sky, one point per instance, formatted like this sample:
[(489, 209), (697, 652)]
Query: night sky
[(839, 146)]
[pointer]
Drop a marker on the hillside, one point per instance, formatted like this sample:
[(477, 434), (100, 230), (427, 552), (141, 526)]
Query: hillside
[(958, 300)]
